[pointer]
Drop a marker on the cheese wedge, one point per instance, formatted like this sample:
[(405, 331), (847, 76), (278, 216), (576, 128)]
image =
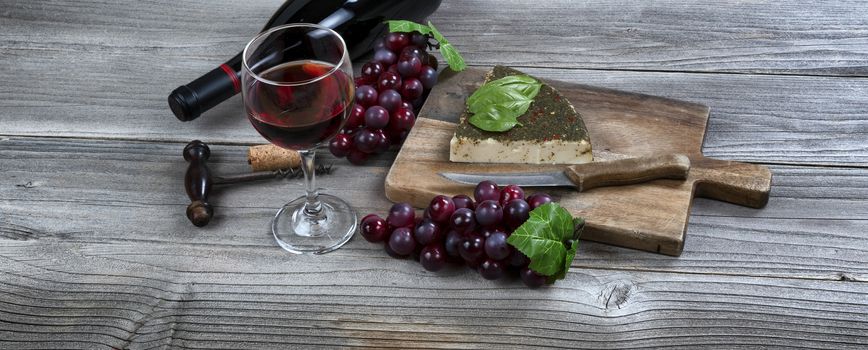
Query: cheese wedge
[(552, 132)]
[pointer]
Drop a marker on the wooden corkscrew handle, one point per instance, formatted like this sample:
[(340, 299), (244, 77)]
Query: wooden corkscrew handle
[(198, 182)]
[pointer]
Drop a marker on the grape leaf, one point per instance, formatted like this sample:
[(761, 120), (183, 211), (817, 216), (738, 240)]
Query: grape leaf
[(449, 52), (452, 57), (497, 104), (550, 239), (408, 26)]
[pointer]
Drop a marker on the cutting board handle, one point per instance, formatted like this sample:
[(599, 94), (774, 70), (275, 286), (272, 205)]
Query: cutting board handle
[(734, 182)]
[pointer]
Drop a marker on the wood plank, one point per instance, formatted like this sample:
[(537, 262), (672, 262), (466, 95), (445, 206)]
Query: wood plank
[(754, 117), (784, 37), (106, 295), (111, 195)]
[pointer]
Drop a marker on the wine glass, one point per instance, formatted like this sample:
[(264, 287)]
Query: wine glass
[(298, 91)]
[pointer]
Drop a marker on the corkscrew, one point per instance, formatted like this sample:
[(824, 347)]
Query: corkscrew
[(199, 180)]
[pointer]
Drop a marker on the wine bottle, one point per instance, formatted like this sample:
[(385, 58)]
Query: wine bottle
[(360, 22)]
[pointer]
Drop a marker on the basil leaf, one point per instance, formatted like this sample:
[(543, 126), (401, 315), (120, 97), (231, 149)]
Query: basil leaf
[(549, 239), (501, 102), (495, 118), (502, 97), (408, 26)]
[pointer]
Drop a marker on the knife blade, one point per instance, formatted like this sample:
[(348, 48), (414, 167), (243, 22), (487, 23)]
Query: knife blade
[(583, 177)]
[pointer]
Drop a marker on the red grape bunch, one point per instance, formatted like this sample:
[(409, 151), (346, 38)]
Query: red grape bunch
[(389, 93), (461, 229)]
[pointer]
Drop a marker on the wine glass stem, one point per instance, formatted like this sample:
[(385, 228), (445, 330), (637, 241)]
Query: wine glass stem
[(313, 208)]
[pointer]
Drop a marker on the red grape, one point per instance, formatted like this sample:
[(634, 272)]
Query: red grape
[(383, 141), (463, 201), (374, 228), (427, 232), (517, 211), (401, 241), (432, 61), (380, 44), (389, 80), (463, 220), (419, 40), (471, 248), (453, 240), (488, 213), (376, 117), (366, 95), (518, 259), (414, 52), (491, 269), (356, 118), (393, 68), (409, 66), (433, 257), (486, 190), (340, 145), (531, 278), (403, 119), (441, 208), (396, 41), (401, 215), (496, 246), (538, 199), (372, 70), (412, 89), (428, 77), (365, 140), (407, 105), (390, 99), (392, 252), (385, 57), (510, 192)]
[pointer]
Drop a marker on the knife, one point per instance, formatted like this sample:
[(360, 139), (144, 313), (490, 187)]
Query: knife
[(591, 175)]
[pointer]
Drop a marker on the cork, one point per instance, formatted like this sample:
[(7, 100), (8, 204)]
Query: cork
[(271, 157)]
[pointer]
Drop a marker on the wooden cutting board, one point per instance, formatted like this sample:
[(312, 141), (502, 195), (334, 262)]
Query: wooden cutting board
[(650, 216)]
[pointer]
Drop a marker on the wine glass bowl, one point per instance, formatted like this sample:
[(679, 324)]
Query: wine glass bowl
[(298, 91)]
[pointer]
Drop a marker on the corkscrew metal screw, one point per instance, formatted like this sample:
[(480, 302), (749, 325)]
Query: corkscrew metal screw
[(199, 180)]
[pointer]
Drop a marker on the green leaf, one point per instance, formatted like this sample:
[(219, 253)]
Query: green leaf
[(452, 57), (497, 104), (549, 238), (495, 118), (436, 34), (407, 27), (449, 52)]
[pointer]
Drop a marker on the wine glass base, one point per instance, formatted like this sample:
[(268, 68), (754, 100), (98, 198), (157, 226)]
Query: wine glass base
[(297, 232)]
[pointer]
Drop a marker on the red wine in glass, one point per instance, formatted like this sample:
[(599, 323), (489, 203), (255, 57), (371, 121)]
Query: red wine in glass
[(301, 115), (297, 84)]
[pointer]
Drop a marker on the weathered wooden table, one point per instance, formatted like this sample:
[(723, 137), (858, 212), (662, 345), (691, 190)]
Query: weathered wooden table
[(95, 251)]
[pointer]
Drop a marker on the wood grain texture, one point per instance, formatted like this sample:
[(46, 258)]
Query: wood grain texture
[(95, 251), (783, 37), (107, 193), (102, 296), (759, 118)]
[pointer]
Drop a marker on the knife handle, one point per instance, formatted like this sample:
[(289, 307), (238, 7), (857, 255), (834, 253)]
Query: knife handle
[(628, 171)]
